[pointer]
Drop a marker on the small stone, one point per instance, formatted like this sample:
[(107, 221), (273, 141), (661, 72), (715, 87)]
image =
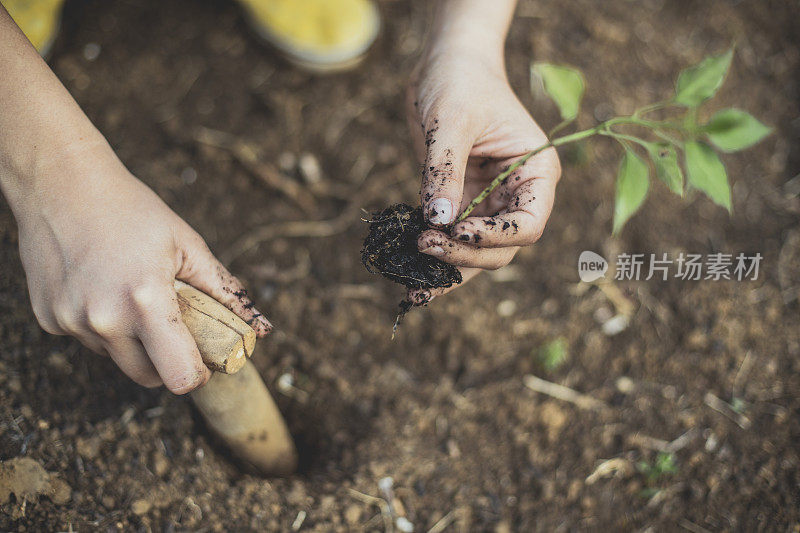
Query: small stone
[(616, 325), (404, 525), (507, 308), (140, 507), (385, 484), (188, 175), (625, 385), (88, 448), (91, 51), (502, 527), (160, 464), (310, 168)]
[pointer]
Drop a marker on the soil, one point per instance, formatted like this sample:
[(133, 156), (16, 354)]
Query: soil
[(390, 249), (707, 370)]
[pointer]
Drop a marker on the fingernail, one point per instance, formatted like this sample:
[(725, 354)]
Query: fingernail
[(433, 250), (440, 211)]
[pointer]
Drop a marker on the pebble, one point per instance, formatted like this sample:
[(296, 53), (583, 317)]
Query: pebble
[(404, 525), (507, 308), (625, 385), (310, 168), (616, 325), (91, 51), (140, 507)]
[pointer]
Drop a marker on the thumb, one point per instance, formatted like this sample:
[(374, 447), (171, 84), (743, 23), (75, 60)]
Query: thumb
[(204, 271), (447, 148)]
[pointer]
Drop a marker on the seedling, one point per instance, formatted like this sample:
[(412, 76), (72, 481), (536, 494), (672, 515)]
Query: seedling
[(663, 466), (682, 150), (553, 354)]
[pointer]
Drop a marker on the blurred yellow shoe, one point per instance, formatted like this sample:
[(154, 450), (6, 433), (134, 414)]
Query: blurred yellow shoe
[(320, 35), (38, 19)]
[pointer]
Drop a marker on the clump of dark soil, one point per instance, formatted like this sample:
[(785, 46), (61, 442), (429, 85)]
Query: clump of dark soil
[(390, 249)]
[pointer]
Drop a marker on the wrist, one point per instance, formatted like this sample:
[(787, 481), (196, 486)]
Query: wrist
[(54, 174), (468, 42), (470, 30)]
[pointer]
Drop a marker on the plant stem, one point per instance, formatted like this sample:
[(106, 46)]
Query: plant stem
[(522, 160), (652, 107), (604, 128), (499, 179), (622, 136)]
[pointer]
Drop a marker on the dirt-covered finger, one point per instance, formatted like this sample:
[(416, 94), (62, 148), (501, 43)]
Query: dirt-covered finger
[(447, 145), (519, 228), (521, 223), (424, 296), (204, 272), (459, 253)]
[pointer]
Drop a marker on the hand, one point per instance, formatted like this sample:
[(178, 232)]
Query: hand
[(468, 126), (101, 258)]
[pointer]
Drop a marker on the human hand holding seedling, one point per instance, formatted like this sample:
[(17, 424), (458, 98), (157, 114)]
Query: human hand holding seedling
[(467, 127), (680, 146)]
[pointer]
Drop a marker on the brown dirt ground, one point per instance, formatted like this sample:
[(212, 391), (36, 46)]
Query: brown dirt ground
[(442, 409)]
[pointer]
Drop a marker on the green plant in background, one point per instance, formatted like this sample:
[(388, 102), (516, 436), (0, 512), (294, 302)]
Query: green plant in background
[(553, 354), (664, 465), (671, 144)]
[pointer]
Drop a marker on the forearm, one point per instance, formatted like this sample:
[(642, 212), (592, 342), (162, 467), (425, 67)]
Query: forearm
[(41, 126), (478, 26)]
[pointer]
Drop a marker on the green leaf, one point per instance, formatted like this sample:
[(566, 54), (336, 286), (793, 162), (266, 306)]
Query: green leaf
[(665, 159), (699, 83), (633, 181), (707, 173), (665, 463), (564, 85), (732, 130), (553, 354)]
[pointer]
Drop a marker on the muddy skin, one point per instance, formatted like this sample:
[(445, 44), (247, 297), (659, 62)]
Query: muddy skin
[(233, 286)]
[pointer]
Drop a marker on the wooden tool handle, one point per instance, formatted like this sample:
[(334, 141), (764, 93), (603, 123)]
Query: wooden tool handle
[(224, 340), (240, 410), (235, 402)]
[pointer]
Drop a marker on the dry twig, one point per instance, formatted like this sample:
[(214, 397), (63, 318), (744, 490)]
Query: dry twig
[(725, 409), (561, 392), (442, 523), (249, 157)]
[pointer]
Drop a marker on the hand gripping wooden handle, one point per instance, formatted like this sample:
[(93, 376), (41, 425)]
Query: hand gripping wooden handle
[(224, 339), (235, 402)]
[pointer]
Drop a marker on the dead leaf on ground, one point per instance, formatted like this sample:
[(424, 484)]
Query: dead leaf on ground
[(27, 479)]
